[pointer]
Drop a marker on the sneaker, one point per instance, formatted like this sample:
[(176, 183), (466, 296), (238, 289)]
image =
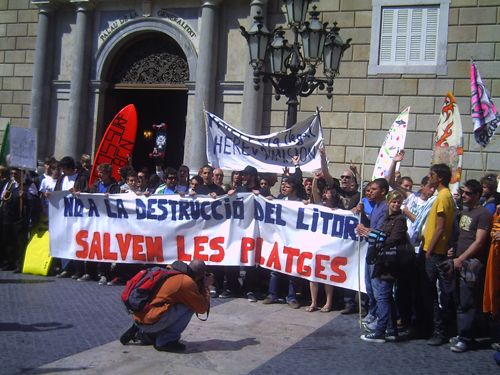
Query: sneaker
[(76, 276), (454, 340), (459, 347), (293, 304), (63, 274), (173, 347), (213, 291), (370, 327), (103, 280), (269, 300), (226, 294), (373, 337), (115, 281), (391, 336), (129, 334), (436, 340), (495, 346), (251, 297), (85, 277)]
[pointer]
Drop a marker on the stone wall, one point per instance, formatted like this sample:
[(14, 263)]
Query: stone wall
[(473, 30), (18, 20)]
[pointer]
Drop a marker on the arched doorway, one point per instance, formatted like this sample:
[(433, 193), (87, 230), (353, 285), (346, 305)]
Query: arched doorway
[(150, 71)]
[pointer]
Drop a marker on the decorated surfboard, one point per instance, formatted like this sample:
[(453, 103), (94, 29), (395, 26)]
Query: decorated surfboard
[(394, 141), (449, 141), (37, 260), (117, 143)]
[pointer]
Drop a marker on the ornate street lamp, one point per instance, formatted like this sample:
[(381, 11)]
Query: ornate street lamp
[(293, 67)]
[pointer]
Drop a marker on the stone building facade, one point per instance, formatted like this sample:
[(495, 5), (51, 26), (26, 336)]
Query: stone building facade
[(67, 66)]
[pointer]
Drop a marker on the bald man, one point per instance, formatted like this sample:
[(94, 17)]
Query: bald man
[(172, 307)]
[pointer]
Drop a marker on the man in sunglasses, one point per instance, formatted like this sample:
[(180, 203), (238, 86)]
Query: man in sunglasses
[(168, 187), (470, 253)]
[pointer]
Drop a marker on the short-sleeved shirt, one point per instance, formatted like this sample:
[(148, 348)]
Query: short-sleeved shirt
[(68, 182), (444, 204), (470, 221)]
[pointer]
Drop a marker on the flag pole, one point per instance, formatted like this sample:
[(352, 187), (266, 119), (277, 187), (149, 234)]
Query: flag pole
[(481, 154), (359, 218)]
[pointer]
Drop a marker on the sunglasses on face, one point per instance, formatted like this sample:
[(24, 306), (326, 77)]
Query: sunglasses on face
[(468, 193), (345, 177)]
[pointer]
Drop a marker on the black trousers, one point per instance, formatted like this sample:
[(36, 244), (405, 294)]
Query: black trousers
[(468, 298)]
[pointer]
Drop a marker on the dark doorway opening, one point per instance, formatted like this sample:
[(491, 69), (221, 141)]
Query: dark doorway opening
[(153, 106), (150, 71)]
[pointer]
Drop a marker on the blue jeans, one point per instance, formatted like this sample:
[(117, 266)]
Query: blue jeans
[(171, 324), (386, 308), (371, 290), (274, 284)]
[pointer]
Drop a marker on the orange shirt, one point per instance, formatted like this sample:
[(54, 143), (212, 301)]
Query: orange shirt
[(176, 289), (491, 301)]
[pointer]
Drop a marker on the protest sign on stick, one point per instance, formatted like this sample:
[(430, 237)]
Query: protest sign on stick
[(22, 148)]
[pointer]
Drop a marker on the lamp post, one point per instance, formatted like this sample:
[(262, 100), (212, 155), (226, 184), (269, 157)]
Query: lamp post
[(292, 68)]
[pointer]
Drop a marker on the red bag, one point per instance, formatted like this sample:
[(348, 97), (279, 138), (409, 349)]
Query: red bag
[(140, 289)]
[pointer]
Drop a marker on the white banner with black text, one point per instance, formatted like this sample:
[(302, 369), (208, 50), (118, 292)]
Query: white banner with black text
[(230, 149)]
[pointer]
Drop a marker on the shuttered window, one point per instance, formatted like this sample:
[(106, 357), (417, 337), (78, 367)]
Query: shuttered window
[(409, 35)]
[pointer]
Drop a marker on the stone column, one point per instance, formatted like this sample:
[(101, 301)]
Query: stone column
[(251, 113), (40, 91), (195, 140), (73, 134)]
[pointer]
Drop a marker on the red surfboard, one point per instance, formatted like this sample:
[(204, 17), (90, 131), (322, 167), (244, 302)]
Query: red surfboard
[(118, 142)]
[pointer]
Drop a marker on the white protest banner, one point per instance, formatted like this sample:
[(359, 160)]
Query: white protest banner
[(307, 241), (229, 148), (22, 148)]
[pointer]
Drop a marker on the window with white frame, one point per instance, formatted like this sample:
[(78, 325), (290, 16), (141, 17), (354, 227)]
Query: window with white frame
[(409, 37)]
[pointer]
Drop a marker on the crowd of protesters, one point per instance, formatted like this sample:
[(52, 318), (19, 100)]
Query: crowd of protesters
[(432, 265)]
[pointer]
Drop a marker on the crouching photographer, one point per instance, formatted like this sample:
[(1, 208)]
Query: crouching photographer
[(162, 321)]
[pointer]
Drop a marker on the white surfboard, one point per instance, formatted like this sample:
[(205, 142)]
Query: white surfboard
[(394, 141)]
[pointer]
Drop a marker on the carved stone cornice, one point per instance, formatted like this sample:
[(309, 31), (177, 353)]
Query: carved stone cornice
[(151, 65)]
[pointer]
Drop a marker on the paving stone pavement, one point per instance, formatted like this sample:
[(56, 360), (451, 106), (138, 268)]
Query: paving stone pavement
[(47, 323)]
